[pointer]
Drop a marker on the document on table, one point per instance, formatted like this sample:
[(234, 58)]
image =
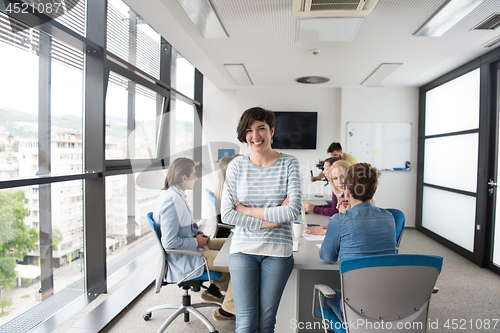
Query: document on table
[(295, 246), (314, 238)]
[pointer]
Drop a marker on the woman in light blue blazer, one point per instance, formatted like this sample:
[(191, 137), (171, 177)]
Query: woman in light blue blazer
[(174, 217)]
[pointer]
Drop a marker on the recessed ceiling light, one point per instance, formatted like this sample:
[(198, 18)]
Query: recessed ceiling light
[(204, 18), (336, 29), (239, 74), (446, 17), (382, 71)]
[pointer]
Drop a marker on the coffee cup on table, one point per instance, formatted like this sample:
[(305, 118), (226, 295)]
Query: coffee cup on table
[(298, 229)]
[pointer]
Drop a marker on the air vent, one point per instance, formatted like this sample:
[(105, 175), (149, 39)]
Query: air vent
[(491, 23), (332, 8), (312, 79)]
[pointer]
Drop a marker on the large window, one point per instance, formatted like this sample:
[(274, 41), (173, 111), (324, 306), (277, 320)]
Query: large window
[(131, 119), (55, 104), (451, 148), (182, 75), (127, 228), (132, 39)]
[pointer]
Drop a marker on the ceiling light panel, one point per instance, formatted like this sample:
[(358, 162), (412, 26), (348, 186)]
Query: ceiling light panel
[(380, 74), (445, 18), (203, 16), (239, 74), (328, 29)]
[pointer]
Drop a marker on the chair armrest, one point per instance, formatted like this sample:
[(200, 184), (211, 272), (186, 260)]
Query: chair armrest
[(325, 290), (225, 226), (191, 253)]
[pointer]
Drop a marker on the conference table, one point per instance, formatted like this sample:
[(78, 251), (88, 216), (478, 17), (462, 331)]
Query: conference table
[(295, 310)]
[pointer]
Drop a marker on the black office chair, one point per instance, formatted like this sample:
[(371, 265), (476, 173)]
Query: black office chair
[(195, 284)]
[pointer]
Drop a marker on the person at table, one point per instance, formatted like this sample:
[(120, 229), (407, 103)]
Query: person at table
[(174, 217), (336, 176), (219, 187), (261, 257), (330, 208), (335, 150), (362, 230)]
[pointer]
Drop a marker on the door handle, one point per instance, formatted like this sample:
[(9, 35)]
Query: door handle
[(491, 183)]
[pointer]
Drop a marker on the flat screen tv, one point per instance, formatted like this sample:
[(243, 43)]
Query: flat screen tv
[(295, 130)]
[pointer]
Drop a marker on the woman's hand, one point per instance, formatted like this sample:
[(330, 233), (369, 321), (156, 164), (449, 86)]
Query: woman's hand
[(202, 239), (309, 207), (316, 230), (343, 205), (286, 201), (268, 225)]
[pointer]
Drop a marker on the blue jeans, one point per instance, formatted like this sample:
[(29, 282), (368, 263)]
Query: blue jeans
[(335, 304), (258, 283)]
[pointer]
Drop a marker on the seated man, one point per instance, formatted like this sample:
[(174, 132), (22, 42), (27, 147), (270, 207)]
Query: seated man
[(363, 230), (335, 150)]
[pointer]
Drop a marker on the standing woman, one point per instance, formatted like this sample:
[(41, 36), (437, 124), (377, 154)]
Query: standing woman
[(261, 197)]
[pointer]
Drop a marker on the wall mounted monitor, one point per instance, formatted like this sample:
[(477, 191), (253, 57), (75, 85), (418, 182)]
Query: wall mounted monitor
[(295, 130)]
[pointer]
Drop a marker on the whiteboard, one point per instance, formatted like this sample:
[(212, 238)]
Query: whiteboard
[(386, 146)]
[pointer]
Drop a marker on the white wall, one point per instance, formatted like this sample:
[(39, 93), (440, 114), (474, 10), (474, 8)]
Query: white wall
[(397, 189), (335, 107), (324, 101)]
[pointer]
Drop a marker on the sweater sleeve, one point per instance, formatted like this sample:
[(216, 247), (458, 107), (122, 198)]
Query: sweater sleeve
[(229, 200), (328, 209), (290, 212), (170, 228)]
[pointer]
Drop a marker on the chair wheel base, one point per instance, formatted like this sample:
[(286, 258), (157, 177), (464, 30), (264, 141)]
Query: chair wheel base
[(147, 316)]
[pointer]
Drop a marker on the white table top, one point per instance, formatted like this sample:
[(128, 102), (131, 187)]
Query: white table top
[(307, 257)]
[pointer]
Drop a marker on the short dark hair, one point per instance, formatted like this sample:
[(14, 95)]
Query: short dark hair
[(334, 147), (362, 181), (251, 115), (331, 160)]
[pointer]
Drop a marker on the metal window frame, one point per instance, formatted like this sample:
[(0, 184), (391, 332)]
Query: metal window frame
[(98, 63)]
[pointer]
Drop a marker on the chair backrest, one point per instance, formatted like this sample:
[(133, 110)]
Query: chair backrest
[(211, 196), (399, 218), (163, 264), (391, 289)]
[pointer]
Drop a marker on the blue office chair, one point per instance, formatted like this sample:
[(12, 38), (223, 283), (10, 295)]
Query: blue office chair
[(399, 218), (381, 293), (195, 284)]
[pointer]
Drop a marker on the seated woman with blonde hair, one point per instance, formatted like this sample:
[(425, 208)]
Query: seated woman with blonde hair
[(336, 176)]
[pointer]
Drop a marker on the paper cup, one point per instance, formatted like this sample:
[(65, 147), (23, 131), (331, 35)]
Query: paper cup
[(298, 229)]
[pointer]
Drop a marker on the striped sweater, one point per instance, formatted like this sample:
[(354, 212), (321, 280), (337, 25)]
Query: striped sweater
[(262, 187)]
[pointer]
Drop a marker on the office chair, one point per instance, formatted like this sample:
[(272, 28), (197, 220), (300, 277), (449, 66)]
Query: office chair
[(222, 230), (399, 218), (381, 293), (195, 284)]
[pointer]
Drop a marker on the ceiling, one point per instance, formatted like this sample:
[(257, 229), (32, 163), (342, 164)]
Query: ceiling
[(262, 37)]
